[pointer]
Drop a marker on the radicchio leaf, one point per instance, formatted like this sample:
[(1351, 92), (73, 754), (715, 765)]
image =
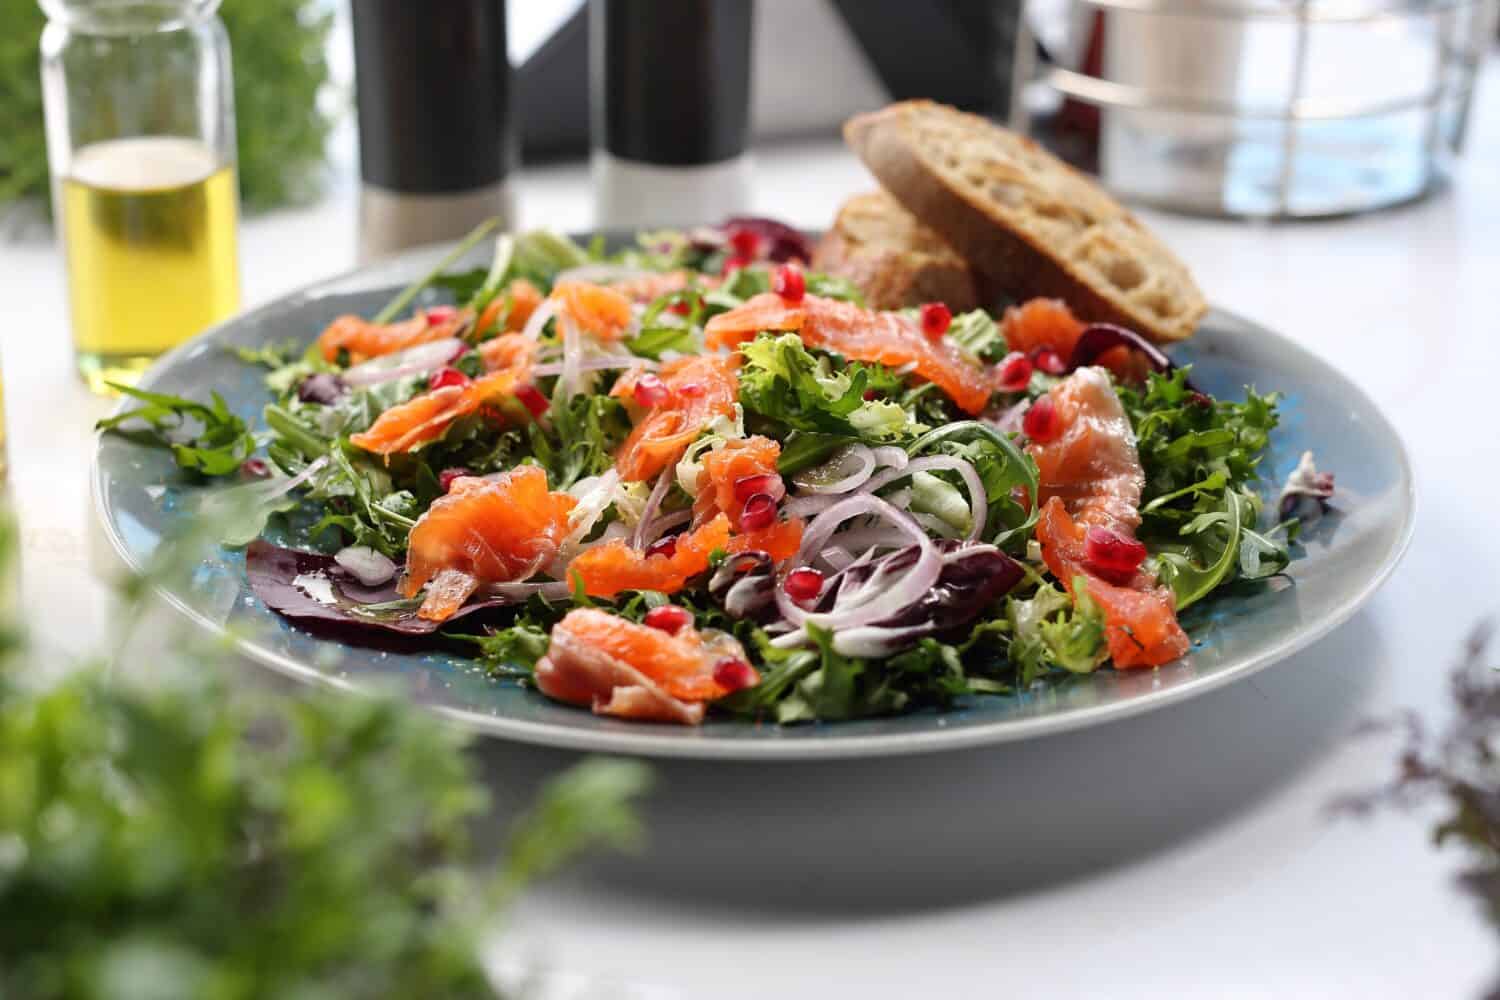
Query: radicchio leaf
[(274, 573)]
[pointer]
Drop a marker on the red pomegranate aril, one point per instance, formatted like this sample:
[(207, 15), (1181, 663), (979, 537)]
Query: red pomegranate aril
[(734, 263), (444, 377), (1040, 421), (1014, 372), (870, 395), (745, 243), (789, 282), (681, 308), (650, 390), (1049, 361), (1200, 399), (254, 468), (735, 674), (1111, 555), (440, 314), (768, 483), (663, 547), (669, 618), (759, 513), (936, 318), (446, 477), (692, 390), (531, 397), (803, 585)]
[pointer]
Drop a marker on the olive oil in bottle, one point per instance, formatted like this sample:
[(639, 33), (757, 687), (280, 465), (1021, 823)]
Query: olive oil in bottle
[(150, 225)]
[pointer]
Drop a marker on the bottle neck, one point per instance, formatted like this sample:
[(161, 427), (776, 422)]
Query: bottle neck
[(128, 17)]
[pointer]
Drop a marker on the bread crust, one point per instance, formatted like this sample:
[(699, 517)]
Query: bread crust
[(892, 259), (1002, 229)]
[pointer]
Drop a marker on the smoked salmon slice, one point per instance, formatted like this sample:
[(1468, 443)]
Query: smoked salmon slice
[(699, 389), (597, 309), (483, 531), (605, 570), (620, 668), (509, 350), (1090, 477), (732, 474), (889, 338), (1048, 324), (424, 418), (519, 300), (364, 340)]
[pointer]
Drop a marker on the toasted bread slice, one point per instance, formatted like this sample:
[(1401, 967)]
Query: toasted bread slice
[(892, 258), (1024, 220)]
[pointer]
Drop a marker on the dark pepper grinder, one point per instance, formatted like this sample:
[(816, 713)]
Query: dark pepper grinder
[(670, 102), (435, 139)]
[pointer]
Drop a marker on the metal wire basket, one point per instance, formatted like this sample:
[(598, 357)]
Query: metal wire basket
[(1257, 107)]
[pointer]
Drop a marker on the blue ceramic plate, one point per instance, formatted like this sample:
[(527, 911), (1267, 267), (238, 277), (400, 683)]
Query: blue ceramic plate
[(141, 499)]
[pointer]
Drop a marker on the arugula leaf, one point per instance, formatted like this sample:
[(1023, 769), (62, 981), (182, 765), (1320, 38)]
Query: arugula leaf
[(273, 355), (1208, 556), (586, 431), (512, 651), (219, 448), (782, 381)]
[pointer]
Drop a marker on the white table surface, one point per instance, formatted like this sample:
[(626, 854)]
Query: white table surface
[(1187, 852)]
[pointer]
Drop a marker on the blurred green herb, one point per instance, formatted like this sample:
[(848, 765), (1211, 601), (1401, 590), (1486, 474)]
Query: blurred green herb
[(207, 439), (176, 839), (279, 69)]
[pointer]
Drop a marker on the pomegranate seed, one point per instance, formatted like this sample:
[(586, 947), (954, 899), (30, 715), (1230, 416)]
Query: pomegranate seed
[(1049, 361), (1111, 555), (444, 377), (734, 263), (440, 314), (803, 585), (650, 390), (745, 243), (680, 308), (1040, 421), (254, 468), (692, 390), (663, 547), (734, 674), (531, 397), (789, 283), (1015, 372), (669, 618), (1200, 399), (759, 513), (936, 318), (871, 395), (768, 483), (446, 477)]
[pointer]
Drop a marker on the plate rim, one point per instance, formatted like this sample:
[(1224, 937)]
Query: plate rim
[(647, 743)]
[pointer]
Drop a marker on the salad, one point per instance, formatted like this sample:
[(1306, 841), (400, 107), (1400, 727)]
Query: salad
[(693, 477)]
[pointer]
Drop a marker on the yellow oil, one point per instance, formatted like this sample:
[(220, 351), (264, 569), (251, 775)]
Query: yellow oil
[(150, 226)]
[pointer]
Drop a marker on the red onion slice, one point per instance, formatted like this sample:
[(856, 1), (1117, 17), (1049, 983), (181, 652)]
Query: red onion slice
[(596, 364), (878, 599), (538, 321), (979, 507), (369, 567), (846, 470), (639, 541), (518, 592), (417, 360), (891, 456)]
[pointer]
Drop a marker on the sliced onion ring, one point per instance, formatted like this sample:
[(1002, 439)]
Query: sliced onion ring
[(892, 456), (886, 601), (638, 540), (538, 321), (979, 508), (417, 360), (596, 364), (599, 274), (846, 470)]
